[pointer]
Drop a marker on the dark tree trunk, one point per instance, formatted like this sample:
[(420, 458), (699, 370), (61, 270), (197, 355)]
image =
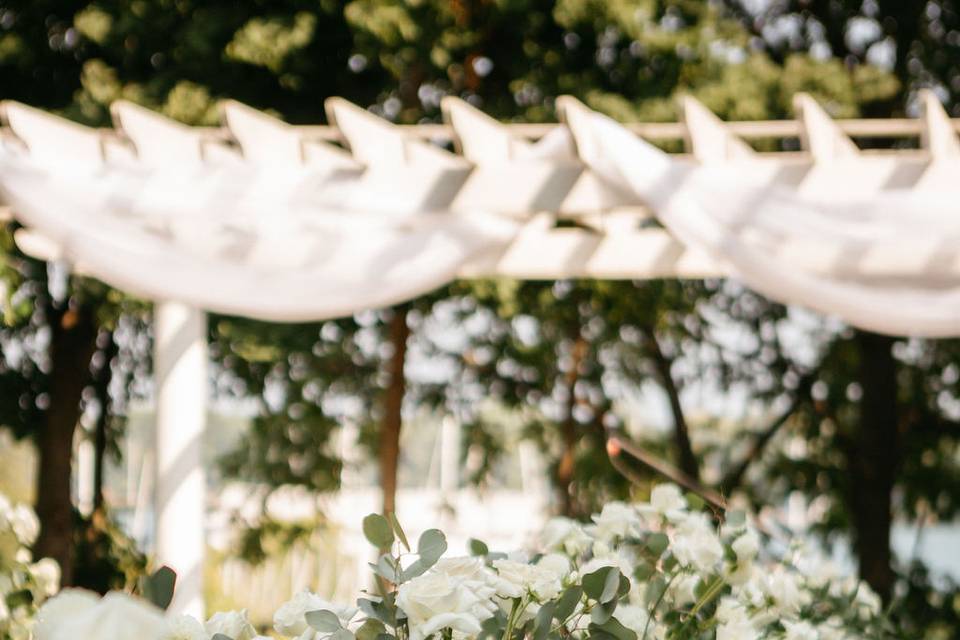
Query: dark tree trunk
[(73, 342), (392, 410), (568, 429), (681, 432), (875, 461)]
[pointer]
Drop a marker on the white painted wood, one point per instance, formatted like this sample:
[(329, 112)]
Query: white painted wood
[(60, 143), (180, 370), (938, 134), (820, 135), (265, 140), (158, 140), (375, 141), (708, 137)]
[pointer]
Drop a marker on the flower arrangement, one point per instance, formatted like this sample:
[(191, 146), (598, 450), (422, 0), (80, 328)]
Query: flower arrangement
[(24, 584), (662, 570)]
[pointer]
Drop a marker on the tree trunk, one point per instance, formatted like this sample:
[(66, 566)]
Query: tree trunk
[(568, 429), (73, 342), (392, 410), (875, 462), (681, 432)]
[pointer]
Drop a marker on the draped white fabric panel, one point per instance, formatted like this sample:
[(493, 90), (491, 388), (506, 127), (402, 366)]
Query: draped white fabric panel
[(885, 260), (277, 226)]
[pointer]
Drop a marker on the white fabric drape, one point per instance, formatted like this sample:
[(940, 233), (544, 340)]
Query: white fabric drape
[(810, 250), (286, 244)]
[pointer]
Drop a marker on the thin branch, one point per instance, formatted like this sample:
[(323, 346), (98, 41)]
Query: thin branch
[(616, 444), (734, 477)]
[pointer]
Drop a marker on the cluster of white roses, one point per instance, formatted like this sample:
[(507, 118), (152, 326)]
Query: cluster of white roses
[(659, 570), (24, 584)]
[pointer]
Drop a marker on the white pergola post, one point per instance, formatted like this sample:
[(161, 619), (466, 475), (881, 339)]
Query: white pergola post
[(180, 364)]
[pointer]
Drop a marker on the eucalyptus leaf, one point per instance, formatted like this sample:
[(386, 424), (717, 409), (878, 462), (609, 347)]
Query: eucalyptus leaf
[(615, 629), (478, 547), (399, 531), (342, 634), (377, 531), (220, 636), (544, 621), (158, 587), (431, 546), (416, 568), (595, 582), (323, 620), (610, 586), (567, 603), (657, 543), (602, 612), (370, 629)]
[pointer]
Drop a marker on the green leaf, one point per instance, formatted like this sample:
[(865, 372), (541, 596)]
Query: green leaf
[(377, 531), (478, 547), (595, 583), (399, 531), (657, 543), (416, 568), (220, 636), (342, 634), (695, 502), (643, 570), (736, 519), (19, 598), (655, 588), (431, 546), (615, 629), (567, 603), (382, 610), (323, 620), (387, 569), (158, 587), (544, 621), (610, 586), (602, 612), (370, 629)]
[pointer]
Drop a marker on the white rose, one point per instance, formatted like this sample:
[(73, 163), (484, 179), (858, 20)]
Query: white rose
[(80, 616), (290, 619), (684, 591), (25, 524), (46, 573), (784, 588), (633, 617), (868, 601), (617, 520), (518, 578), (474, 574), (186, 628), (564, 534), (436, 601), (233, 624), (736, 630), (696, 544), (666, 498), (557, 563), (800, 630)]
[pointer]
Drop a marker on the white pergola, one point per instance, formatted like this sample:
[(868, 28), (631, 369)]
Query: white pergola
[(524, 182)]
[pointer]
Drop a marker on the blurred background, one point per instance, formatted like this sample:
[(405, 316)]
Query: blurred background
[(491, 397)]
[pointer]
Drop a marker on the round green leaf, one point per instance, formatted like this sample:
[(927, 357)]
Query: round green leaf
[(378, 531)]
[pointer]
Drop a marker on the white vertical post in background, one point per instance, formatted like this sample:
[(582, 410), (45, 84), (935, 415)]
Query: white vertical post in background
[(180, 363), (449, 457)]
